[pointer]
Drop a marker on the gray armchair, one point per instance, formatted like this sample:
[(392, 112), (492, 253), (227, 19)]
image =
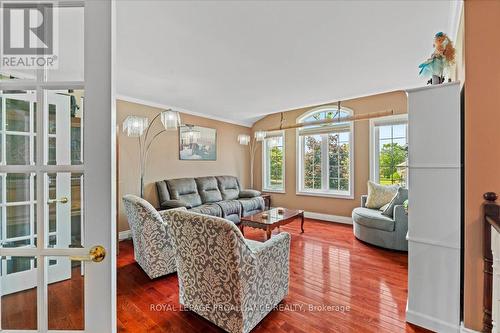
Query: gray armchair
[(152, 247), (371, 226), (225, 278)]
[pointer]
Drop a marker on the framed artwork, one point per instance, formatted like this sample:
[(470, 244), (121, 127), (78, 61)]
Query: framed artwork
[(197, 143)]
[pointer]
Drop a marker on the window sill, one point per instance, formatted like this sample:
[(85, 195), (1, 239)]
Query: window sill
[(326, 195), (273, 191)]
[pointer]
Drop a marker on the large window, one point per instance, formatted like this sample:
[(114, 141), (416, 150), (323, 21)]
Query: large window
[(325, 154), (273, 170), (390, 150)]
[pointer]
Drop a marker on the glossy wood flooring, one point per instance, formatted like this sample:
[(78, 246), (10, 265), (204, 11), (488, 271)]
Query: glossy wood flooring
[(65, 306), (337, 284)]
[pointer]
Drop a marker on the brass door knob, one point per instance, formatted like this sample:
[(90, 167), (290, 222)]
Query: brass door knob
[(96, 254), (61, 200)]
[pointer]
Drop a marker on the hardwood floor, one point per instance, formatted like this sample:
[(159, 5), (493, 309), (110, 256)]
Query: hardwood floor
[(365, 287), (65, 306)]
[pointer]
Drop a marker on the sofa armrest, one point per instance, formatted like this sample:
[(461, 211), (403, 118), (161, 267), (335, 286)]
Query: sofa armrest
[(364, 197), (248, 193), (401, 218), (169, 204)]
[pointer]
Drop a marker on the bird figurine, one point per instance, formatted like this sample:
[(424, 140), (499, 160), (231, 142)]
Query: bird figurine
[(442, 57)]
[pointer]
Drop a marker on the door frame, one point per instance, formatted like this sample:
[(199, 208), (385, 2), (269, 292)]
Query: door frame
[(99, 169)]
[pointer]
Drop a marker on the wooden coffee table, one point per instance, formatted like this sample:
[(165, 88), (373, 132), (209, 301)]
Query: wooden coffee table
[(274, 220)]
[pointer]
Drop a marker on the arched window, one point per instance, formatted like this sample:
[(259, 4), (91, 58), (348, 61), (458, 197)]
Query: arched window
[(325, 153)]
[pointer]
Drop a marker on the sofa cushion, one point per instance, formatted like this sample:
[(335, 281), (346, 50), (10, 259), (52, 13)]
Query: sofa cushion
[(162, 189), (372, 218), (184, 189), (230, 207), (208, 209), (249, 193), (208, 189), (379, 195), (252, 204), (229, 187), (398, 199)]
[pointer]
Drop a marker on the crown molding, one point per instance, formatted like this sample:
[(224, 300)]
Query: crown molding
[(135, 100)]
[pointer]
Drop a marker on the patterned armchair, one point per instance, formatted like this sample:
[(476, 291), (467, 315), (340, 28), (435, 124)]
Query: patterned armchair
[(225, 278), (152, 246)]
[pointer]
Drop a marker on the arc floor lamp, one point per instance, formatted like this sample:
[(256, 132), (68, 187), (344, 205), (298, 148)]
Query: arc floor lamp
[(140, 127), (245, 139)]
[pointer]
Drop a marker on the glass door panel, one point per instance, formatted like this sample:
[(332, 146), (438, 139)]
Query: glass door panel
[(65, 127), (18, 295), (66, 297), (17, 127), (17, 229), (71, 55), (64, 210)]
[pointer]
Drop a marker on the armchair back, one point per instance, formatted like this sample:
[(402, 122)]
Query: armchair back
[(152, 247), (230, 281)]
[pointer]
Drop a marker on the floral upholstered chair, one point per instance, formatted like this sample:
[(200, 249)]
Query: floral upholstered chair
[(225, 278), (152, 246)]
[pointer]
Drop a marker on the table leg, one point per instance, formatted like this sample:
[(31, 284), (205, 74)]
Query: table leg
[(302, 222), (268, 233)]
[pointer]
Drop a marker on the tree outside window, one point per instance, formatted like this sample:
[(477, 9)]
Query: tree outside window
[(392, 161), (274, 160), (312, 162)]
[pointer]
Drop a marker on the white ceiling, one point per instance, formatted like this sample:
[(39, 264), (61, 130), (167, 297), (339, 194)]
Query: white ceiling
[(240, 60)]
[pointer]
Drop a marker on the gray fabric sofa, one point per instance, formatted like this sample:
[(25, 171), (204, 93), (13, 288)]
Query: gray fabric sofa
[(219, 196), (233, 282), (374, 228)]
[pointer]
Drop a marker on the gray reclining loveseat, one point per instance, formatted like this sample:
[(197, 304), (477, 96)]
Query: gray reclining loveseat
[(219, 196)]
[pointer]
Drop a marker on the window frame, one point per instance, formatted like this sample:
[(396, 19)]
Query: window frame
[(375, 142), (265, 187), (324, 192)]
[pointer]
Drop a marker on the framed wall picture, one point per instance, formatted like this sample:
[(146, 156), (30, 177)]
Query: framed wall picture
[(197, 143)]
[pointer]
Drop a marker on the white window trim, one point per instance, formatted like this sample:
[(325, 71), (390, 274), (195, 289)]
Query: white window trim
[(264, 163), (374, 141), (300, 158)]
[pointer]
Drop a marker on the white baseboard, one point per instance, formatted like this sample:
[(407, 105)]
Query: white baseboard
[(126, 234), (328, 217), (431, 323), (123, 235), (464, 329)]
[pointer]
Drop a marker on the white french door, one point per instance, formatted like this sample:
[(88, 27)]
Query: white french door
[(56, 182), (18, 114)]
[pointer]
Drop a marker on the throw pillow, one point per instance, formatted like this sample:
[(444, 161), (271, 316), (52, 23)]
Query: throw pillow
[(398, 199), (379, 195), (384, 207)]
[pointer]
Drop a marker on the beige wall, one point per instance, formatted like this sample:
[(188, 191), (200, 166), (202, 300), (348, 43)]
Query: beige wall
[(163, 162), (482, 137), (342, 207)]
